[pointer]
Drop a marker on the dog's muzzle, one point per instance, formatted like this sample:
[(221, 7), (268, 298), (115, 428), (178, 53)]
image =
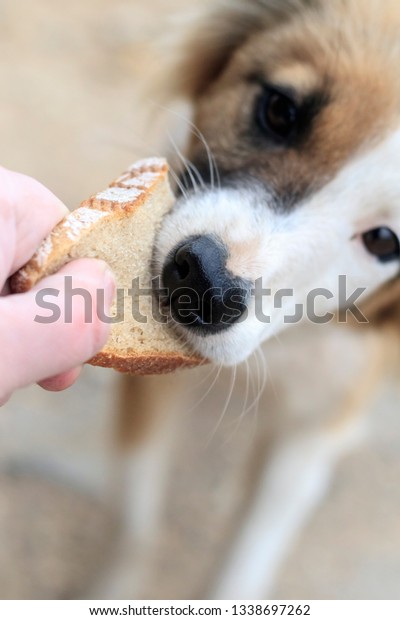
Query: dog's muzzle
[(201, 293)]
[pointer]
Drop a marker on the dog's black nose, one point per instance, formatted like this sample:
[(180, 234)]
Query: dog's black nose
[(201, 292)]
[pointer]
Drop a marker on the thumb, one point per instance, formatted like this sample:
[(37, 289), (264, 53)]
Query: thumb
[(55, 326)]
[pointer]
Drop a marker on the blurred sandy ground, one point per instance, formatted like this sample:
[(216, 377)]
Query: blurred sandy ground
[(69, 115)]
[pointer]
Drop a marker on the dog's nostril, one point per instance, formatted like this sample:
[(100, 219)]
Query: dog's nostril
[(200, 290), (183, 268), (191, 265)]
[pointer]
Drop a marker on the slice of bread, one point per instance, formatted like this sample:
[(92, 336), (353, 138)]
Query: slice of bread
[(119, 226)]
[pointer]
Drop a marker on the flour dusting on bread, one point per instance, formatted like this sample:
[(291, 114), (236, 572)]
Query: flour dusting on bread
[(119, 194), (80, 219)]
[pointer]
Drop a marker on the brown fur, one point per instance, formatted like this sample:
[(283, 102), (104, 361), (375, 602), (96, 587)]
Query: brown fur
[(138, 408), (344, 125)]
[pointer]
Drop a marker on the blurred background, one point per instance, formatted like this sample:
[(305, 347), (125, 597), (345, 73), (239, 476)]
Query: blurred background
[(71, 116)]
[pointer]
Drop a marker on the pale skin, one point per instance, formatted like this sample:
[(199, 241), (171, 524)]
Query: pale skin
[(48, 354)]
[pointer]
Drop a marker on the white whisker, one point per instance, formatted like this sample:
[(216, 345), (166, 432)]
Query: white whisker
[(184, 161), (225, 409), (179, 183), (244, 409), (261, 387), (214, 171), (198, 402)]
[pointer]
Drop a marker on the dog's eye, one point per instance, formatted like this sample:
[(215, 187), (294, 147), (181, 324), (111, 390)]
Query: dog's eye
[(277, 114), (382, 243)]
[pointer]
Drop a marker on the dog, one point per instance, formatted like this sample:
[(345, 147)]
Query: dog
[(287, 213)]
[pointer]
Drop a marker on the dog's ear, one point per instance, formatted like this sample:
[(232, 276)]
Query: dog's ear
[(215, 31)]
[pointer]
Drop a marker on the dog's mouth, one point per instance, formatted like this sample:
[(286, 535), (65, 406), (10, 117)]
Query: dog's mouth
[(199, 292)]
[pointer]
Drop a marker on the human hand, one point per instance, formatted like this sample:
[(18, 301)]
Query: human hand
[(31, 352)]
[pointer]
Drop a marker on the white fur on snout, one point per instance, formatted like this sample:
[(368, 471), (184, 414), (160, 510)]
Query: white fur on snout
[(236, 217), (302, 250), (232, 215)]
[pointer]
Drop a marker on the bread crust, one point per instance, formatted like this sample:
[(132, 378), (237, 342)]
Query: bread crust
[(143, 364), (121, 199), (137, 183)]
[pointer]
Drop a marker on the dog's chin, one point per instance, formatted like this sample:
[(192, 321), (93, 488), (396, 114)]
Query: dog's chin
[(227, 348)]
